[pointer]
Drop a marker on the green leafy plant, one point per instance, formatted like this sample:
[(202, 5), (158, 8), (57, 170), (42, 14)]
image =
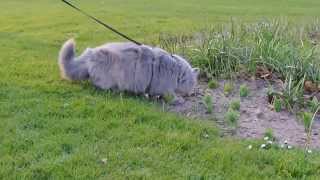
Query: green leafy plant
[(271, 94), (313, 104), (308, 119), (292, 93), (235, 105), (208, 102), (232, 117), (244, 90), (277, 104), (228, 87), (222, 52), (213, 84)]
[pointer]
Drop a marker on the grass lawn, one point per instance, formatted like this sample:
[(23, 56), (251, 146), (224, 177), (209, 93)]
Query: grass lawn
[(53, 129)]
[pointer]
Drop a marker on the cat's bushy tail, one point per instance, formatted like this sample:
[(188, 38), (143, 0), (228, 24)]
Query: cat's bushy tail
[(72, 68)]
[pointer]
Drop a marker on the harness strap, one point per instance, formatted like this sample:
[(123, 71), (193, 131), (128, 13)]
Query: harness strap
[(101, 23)]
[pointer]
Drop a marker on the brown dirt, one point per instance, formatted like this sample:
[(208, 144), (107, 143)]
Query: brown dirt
[(256, 114)]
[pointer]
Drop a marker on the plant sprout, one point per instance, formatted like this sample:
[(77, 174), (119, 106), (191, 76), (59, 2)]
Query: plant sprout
[(213, 84), (208, 102), (308, 120), (228, 87), (235, 105), (277, 104), (314, 104), (232, 117), (244, 90)]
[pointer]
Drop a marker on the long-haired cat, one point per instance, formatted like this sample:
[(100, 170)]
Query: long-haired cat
[(129, 67)]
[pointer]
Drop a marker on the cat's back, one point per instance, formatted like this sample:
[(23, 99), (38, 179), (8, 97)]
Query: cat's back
[(120, 48)]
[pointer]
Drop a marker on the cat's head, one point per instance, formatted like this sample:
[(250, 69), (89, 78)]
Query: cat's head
[(188, 77)]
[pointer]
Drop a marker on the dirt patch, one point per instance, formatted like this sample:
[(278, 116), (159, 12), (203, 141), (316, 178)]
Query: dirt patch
[(256, 115), (314, 37)]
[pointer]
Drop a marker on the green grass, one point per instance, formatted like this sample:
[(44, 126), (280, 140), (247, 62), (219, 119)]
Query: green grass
[(53, 129), (289, 49)]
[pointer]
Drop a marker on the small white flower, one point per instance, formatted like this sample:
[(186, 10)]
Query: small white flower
[(266, 138), (309, 151), (289, 147), (250, 147), (282, 146), (263, 146), (104, 160), (206, 135), (285, 142), (269, 142)]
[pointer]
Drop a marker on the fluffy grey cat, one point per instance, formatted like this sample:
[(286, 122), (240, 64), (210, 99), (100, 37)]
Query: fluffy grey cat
[(129, 67)]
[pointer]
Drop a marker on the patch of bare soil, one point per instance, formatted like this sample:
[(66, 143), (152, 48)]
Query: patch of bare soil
[(256, 114), (314, 37)]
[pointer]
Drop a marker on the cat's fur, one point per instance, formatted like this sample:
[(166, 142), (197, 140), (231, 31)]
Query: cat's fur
[(129, 67)]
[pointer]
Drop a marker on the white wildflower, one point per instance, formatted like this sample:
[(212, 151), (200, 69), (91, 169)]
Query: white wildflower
[(263, 146), (269, 142), (266, 138), (104, 160)]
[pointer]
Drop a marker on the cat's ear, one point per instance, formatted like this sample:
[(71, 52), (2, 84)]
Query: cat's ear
[(196, 71)]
